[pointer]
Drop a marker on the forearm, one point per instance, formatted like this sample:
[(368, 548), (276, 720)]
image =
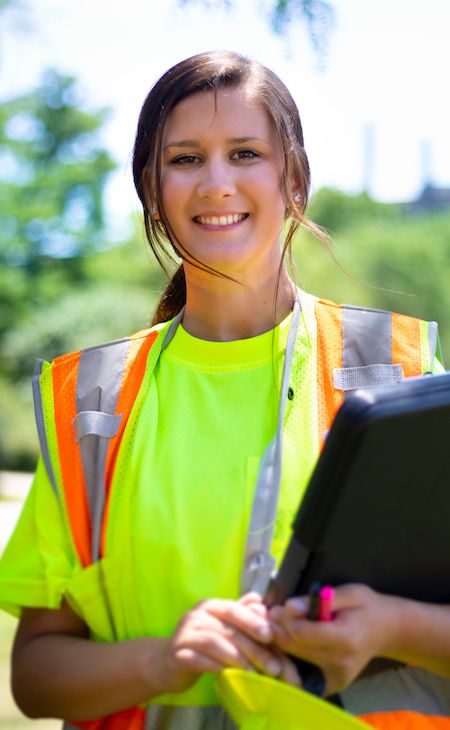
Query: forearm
[(77, 679), (420, 635)]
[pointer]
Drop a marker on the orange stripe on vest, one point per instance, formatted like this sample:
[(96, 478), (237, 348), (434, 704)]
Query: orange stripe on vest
[(329, 356), (406, 344), (64, 390), (405, 720)]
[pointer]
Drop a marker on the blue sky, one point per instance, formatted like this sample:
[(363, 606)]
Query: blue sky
[(386, 70)]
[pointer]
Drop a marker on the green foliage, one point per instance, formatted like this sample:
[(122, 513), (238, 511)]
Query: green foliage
[(18, 440), (389, 259), (335, 211), (318, 15), (114, 301), (52, 175)]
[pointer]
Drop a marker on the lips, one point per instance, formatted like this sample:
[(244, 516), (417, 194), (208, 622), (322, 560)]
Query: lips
[(220, 220)]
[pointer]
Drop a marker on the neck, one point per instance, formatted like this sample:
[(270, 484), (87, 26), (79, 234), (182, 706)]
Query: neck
[(221, 310)]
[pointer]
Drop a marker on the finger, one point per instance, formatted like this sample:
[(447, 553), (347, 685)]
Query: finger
[(289, 672), (307, 639), (259, 656), (259, 609), (249, 598), (352, 595), (298, 606), (219, 647), (194, 661), (256, 655), (253, 601), (243, 618)]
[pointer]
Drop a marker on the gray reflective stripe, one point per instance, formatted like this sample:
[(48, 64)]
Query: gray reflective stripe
[(100, 373), (99, 379), (258, 562), (68, 726), (366, 336), (96, 423), (39, 415), (168, 337), (366, 376), (405, 688), (172, 717), (433, 340)]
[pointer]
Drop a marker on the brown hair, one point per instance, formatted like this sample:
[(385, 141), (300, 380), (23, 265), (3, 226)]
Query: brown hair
[(211, 72)]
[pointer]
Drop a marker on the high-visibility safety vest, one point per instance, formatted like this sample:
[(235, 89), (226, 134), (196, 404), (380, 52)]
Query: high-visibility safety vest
[(85, 402)]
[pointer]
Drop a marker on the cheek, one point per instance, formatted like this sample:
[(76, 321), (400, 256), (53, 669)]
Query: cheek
[(267, 187), (169, 189), (174, 195)]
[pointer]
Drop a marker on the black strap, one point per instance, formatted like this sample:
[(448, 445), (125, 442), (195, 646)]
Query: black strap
[(313, 679)]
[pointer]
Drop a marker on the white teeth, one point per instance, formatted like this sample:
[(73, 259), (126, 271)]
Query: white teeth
[(221, 220)]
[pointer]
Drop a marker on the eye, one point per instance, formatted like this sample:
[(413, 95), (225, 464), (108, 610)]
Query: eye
[(185, 160), (245, 154)]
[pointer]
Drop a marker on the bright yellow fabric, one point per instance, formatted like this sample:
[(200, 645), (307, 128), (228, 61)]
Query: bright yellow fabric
[(38, 561)]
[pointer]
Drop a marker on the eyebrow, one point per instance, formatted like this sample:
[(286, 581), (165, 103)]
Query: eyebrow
[(196, 143)]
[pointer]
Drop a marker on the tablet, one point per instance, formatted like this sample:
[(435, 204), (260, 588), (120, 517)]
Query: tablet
[(377, 507)]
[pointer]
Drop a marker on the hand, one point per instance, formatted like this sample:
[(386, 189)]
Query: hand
[(288, 671), (362, 628), (217, 634)]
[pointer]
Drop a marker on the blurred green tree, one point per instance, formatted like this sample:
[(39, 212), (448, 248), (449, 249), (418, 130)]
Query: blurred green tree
[(53, 171), (52, 175)]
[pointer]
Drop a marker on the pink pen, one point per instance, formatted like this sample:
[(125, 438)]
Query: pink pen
[(326, 598)]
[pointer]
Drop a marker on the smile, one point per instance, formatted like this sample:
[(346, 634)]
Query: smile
[(221, 220)]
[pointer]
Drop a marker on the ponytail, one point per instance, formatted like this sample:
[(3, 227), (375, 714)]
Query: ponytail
[(173, 298)]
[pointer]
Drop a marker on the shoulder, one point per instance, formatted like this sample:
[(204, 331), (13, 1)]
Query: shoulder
[(109, 350), (361, 336), (347, 314)]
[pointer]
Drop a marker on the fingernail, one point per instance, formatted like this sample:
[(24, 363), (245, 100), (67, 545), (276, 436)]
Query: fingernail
[(300, 605), (273, 667), (265, 632)]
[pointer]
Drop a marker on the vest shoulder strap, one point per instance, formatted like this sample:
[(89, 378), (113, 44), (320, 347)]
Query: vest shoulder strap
[(83, 401), (360, 347)]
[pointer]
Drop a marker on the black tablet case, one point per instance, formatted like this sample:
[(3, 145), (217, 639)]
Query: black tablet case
[(377, 507)]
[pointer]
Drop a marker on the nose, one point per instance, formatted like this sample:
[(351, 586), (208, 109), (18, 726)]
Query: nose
[(217, 180)]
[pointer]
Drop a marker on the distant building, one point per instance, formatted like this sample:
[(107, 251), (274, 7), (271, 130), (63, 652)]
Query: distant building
[(431, 199)]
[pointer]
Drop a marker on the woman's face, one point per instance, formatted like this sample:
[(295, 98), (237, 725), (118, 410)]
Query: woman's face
[(221, 182)]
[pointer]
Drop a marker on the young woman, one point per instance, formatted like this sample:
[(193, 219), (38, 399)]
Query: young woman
[(173, 460)]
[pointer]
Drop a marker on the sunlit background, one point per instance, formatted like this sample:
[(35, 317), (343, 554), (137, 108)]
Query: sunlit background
[(372, 95), (371, 81)]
